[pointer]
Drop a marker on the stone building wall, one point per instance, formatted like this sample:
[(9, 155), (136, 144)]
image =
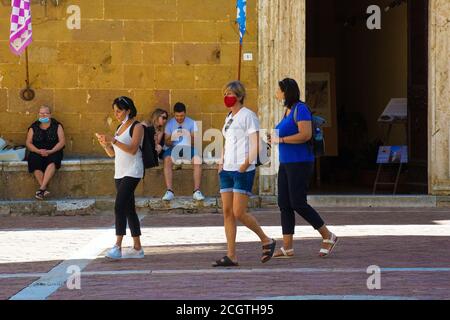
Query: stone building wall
[(439, 97), (162, 51), (157, 52)]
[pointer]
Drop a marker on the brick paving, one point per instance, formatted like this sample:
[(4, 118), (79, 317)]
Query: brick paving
[(180, 248), (35, 223), (28, 267), (251, 286), (10, 287)]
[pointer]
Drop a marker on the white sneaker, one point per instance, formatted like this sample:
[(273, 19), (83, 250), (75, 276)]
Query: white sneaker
[(168, 196), (134, 254), (198, 196), (114, 253)]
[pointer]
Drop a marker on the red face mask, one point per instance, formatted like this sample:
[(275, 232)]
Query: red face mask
[(230, 101)]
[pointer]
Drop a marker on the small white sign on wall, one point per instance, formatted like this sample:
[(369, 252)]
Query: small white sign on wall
[(248, 56)]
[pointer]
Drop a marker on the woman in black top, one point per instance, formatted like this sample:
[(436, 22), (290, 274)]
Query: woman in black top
[(158, 121), (45, 141)]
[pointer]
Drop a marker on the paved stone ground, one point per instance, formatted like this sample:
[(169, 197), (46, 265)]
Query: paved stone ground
[(409, 245)]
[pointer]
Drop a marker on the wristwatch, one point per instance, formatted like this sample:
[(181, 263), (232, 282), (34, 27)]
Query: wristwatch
[(114, 141)]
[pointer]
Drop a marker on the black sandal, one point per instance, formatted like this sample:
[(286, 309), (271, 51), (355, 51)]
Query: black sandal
[(40, 194), (225, 262), (268, 251)]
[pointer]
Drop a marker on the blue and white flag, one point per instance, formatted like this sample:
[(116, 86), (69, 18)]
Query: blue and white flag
[(241, 17)]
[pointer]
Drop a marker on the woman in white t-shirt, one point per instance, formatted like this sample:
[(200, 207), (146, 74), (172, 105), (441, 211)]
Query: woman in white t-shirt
[(237, 173), (129, 170)]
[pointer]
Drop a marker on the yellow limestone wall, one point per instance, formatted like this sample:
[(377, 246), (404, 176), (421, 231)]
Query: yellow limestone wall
[(157, 52)]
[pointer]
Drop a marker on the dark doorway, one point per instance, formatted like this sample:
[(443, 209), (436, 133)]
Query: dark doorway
[(368, 69), (418, 95)]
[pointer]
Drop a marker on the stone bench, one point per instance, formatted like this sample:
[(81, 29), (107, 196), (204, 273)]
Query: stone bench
[(86, 178), (105, 206)]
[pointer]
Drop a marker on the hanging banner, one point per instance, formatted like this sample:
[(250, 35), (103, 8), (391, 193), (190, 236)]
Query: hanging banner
[(21, 33)]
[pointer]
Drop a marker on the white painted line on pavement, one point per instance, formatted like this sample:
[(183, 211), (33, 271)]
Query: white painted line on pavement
[(21, 275), (296, 270), (238, 270)]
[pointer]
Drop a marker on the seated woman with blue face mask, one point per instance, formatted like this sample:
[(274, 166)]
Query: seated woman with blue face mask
[(45, 141)]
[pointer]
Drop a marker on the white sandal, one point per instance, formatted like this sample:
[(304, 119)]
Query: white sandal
[(333, 241), (285, 254)]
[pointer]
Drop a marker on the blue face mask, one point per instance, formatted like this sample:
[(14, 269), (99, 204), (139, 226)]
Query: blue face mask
[(44, 120)]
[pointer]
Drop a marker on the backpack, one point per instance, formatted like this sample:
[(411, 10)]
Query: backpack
[(317, 141), (149, 154)]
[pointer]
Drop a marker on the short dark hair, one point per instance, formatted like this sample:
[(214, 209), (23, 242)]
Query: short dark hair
[(125, 103), (291, 92), (179, 107)]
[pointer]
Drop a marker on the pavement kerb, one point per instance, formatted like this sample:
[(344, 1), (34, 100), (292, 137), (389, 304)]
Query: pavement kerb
[(185, 205)]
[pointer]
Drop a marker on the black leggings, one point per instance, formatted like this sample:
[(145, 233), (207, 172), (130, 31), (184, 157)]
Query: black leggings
[(293, 182), (125, 208)]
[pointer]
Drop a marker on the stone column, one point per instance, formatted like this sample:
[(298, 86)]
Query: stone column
[(282, 52), (439, 97)]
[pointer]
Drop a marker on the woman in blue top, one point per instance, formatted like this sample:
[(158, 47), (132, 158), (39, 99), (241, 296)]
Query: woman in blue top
[(296, 169)]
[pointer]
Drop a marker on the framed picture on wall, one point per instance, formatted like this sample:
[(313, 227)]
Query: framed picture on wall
[(321, 98), (318, 96)]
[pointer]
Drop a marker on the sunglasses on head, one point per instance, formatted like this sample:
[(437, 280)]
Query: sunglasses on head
[(164, 117), (124, 100)]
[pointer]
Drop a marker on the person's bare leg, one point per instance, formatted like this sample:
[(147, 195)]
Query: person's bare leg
[(137, 243), (288, 241), (168, 172), (324, 232), (197, 173), (48, 175), (230, 224), (288, 244), (119, 241), (240, 203), (39, 175)]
